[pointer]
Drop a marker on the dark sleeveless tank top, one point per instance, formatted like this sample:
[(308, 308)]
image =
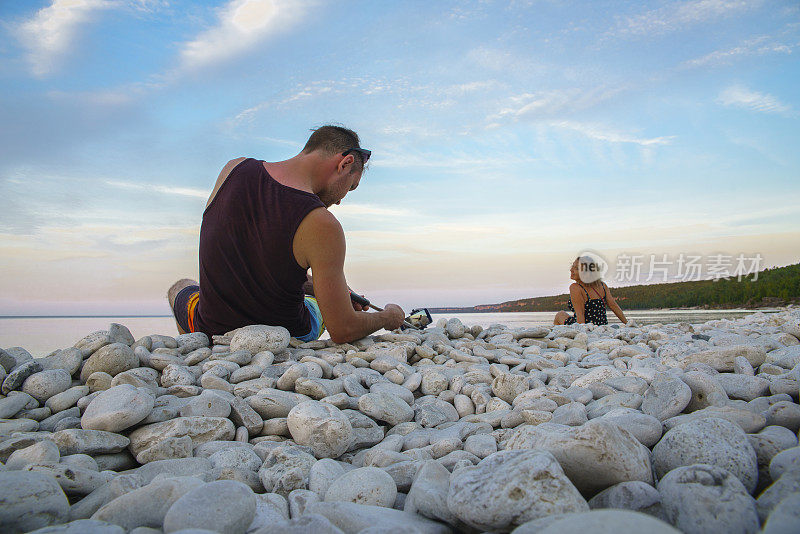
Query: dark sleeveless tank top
[(248, 272)]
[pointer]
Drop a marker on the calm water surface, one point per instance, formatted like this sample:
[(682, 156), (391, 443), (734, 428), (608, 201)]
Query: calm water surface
[(42, 335)]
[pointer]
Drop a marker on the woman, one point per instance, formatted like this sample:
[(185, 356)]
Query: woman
[(590, 299)]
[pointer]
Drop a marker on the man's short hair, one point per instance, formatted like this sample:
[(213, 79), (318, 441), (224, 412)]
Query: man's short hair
[(333, 140)]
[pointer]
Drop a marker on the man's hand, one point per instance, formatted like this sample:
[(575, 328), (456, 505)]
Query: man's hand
[(394, 316)]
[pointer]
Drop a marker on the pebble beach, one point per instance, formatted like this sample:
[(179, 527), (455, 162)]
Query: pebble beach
[(664, 428)]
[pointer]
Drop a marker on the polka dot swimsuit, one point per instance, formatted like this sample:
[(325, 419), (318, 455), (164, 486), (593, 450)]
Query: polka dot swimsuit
[(593, 312)]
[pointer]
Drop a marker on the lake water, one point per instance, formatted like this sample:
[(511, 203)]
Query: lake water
[(42, 335)]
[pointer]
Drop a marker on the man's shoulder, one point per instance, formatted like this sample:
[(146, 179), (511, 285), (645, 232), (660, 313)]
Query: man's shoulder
[(321, 219)]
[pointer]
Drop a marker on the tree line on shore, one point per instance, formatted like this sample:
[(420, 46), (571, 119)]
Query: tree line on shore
[(778, 286)]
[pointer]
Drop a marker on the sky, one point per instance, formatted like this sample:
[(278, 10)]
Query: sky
[(507, 138)]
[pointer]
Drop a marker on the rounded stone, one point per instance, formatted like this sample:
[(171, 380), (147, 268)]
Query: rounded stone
[(509, 488), (604, 522), (382, 406), (710, 441), (634, 495), (257, 338), (30, 500), (646, 428), (788, 459), (666, 397), (118, 408), (594, 456), (112, 359), (322, 475), (705, 498), (322, 427), (222, 506), (41, 386), (365, 485)]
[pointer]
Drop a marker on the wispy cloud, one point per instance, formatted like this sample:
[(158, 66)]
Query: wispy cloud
[(355, 210), (742, 97), (545, 104), (164, 189), (677, 16), (50, 33), (241, 25), (757, 46), (601, 133)]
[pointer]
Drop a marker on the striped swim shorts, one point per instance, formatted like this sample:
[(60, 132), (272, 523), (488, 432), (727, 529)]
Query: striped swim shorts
[(185, 308)]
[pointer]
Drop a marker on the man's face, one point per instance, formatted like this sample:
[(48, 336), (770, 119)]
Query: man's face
[(339, 187)]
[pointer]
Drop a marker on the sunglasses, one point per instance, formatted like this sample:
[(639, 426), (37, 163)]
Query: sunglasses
[(365, 154)]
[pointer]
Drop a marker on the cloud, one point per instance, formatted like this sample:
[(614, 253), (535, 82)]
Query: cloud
[(741, 97), (601, 133), (50, 33), (241, 25), (677, 16), (164, 189), (355, 210), (544, 104), (758, 46)]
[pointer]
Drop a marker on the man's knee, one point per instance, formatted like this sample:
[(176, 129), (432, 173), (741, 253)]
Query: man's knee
[(561, 318), (176, 288)]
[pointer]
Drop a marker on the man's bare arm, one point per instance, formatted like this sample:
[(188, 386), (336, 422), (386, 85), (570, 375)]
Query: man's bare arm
[(319, 244)]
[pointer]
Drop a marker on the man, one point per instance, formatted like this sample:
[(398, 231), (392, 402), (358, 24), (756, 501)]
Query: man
[(266, 224)]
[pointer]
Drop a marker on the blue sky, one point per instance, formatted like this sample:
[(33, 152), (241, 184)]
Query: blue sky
[(506, 136)]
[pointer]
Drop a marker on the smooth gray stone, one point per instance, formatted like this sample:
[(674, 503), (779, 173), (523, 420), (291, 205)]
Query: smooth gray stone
[(307, 524), (82, 526), (704, 498), (785, 460), (117, 461), (428, 494), (299, 499), (635, 495), (786, 485), (271, 508), (12, 426), (748, 420), (43, 452), (106, 493), (364, 485), (49, 424), (29, 501), (353, 518), (148, 505), (118, 408), (646, 428), (67, 423), (742, 386), (710, 441), (768, 443), (785, 517), (221, 506), (17, 377), (69, 359), (91, 442), (176, 467), (8, 446), (73, 480), (11, 406), (784, 413), (604, 522), (67, 399), (112, 359)]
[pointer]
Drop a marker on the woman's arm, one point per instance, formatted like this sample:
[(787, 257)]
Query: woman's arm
[(612, 304), (578, 302)]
